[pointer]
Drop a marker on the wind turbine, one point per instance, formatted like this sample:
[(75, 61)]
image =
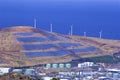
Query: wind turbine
[(100, 34), (51, 28), (35, 23), (84, 34), (71, 33)]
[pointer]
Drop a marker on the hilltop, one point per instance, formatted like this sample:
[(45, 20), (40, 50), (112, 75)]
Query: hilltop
[(27, 46)]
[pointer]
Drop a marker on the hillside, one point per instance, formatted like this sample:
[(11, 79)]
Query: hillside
[(26, 46)]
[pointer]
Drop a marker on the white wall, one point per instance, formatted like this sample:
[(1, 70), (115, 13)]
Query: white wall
[(85, 64), (47, 78), (4, 70), (63, 79)]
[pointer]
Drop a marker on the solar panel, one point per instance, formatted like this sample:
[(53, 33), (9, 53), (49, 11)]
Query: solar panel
[(88, 49), (62, 38), (32, 39), (23, 33), (38, 46), (50, 53), (65, 45), (53, 38), (50, 37)]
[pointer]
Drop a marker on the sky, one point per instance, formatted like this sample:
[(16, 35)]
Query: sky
[(89, 16)]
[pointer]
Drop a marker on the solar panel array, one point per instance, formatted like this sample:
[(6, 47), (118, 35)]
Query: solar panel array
[(32, 39), (38, 46), (24, 33), (87, 49), (62, 38), (53, 38), (59, 52), (50, 53), (28, 37), (61, 47), (65, 45)]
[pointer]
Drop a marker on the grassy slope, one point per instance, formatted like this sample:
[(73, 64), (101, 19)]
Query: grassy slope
[(10, 50), (107, 46)]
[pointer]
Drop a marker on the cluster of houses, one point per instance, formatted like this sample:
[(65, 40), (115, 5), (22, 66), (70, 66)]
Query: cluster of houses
[(83, 71)]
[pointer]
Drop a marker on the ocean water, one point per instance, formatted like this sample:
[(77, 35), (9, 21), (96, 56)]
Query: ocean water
[(90, 16)]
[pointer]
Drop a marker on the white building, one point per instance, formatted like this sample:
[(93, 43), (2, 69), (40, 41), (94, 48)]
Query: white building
[(64, 79), (47, 78), (4, 70), (85, 64)]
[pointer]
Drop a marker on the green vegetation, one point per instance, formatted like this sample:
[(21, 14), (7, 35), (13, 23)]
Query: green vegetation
[(105, 59), (14, 76), (55, 79), (18, 76)]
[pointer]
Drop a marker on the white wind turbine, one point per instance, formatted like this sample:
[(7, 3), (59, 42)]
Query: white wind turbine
[(35, 23), (71, 30), (51, 28), (100, 34), (84, 34)]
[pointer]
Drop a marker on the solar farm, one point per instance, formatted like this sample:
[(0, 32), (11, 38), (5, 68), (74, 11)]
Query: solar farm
[(32, 44)]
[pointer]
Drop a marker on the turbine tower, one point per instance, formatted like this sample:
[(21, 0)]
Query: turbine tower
[(51, 28), (84, 34), (35, 23), (69, 33), (71, 30), (100, 34)]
